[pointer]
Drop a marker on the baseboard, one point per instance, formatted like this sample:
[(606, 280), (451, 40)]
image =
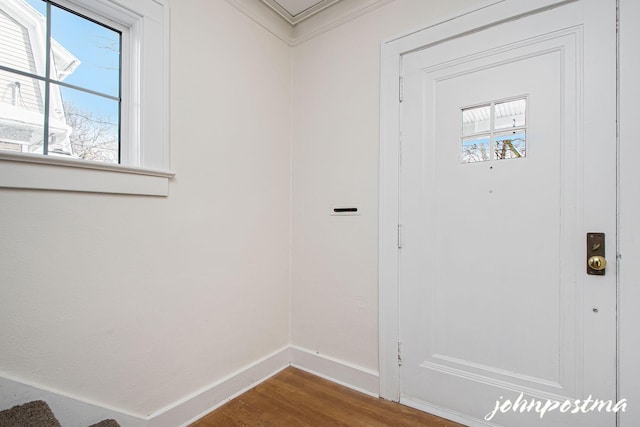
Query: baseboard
[(336, 370), (198, 404), (73, 411), (445, 413), (70, 410)]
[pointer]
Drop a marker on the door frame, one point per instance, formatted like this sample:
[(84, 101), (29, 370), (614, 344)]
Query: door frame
[(486, 14)]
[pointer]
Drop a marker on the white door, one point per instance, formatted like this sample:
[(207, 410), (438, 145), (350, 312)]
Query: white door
[(508, 160)]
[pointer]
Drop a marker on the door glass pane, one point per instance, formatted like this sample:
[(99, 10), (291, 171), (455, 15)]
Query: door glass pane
[(476, 149), (475, 120), (83, 125), (85, 54), (511, 145), (21, 113), (510, 114), (21, 49)]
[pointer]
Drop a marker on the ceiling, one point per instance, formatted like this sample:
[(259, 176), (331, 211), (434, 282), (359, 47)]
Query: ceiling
[(295, 11)]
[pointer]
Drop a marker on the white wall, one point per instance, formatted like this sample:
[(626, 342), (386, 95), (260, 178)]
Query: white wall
[(629, 306), (335, 159), (136, 302)]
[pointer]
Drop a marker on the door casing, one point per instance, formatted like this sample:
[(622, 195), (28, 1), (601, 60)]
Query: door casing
[(487, 14)]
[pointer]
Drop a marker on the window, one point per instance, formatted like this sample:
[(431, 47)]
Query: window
[(83, 95), (64, 100), (495, 131)]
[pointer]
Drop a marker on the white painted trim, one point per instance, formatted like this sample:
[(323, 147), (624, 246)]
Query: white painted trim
[(485, 13), (338, 371), (321, 21), (333, 17), (32, 171), (429, 24), (264, 16), (388, 210), (449, 415), (145, 112), (9, 156), (145, 75), (75, 410), (294, 19), (220, 392), (629, 212), (488, 13)]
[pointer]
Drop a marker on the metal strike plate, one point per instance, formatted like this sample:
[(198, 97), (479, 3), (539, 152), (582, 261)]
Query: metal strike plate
[(595, 250)]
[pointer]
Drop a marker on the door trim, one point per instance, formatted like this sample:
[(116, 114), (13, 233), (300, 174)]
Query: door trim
[(488, 14)]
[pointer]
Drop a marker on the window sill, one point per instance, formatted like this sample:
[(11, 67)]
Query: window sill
[(34, 171)]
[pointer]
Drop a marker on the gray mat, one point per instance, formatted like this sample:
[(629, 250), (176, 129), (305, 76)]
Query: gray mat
[(32, 414), (38, 414), (106, 423)]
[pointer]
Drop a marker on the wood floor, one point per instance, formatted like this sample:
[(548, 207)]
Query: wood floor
[(294, 398)]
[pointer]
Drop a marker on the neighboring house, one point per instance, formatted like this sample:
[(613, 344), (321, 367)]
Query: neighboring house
[(22, 47)]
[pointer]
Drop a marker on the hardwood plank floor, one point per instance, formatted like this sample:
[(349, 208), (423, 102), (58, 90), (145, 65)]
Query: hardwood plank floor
[(294, 398)]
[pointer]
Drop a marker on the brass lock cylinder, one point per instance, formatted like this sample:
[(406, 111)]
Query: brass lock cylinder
[(597, 262)]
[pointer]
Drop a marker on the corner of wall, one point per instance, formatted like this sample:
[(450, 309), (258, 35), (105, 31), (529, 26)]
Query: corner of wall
[(336, 370), (73, 410)]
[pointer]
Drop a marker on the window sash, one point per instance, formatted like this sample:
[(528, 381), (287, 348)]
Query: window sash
[(144, 168)]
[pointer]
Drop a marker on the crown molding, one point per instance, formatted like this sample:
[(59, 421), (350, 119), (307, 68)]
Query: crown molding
[(332, 17), (266, 17), (328, 15), (295, 19)]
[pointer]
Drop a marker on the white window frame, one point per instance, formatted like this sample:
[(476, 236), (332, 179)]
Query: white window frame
[(144, 167), (492, 132)]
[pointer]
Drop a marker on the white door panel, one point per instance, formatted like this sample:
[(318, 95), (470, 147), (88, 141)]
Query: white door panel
[(494, 299)]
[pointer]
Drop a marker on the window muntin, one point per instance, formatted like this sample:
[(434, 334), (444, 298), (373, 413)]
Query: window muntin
[(494, 131), (53, 88)]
